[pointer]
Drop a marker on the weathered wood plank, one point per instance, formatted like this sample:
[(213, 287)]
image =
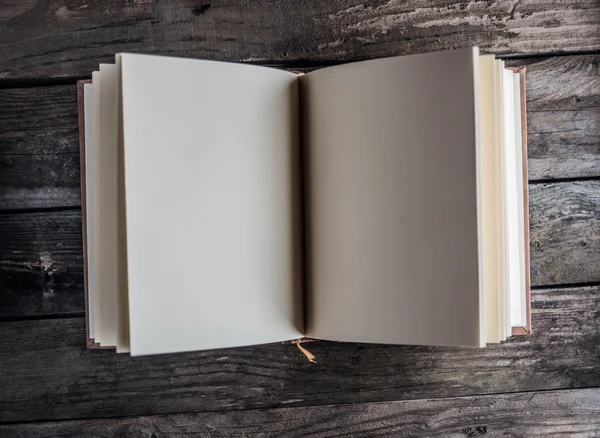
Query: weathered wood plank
[(565, 232), (69, 38), (563, 112), (41, 253), (575, 413), (41, 266), (39, 160), (48, 374), (39, 149)]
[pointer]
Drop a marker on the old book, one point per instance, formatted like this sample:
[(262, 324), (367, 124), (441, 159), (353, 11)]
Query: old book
[(381, 201)]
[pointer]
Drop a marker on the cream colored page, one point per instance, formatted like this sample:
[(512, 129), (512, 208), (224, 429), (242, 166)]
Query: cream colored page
[(500, 196), (211, 170), (106, 222), (392, 200), (88, 96), (123, 299), (520, 317), (93, 182), (487, 119), (511, 199)]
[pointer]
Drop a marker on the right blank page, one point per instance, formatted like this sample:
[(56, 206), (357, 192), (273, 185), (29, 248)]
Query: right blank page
[(392, 221)]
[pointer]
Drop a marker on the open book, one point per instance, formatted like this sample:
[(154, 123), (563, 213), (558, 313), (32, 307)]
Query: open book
[(381, 201)]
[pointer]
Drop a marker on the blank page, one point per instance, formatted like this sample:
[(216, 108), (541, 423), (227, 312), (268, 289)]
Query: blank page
[(107, 291), (513, 268), (500, 202), (514, 190), (489, 224), (122, 344), (91, 181), (88, 101), (392, 187), (106, 222), (211, 202)]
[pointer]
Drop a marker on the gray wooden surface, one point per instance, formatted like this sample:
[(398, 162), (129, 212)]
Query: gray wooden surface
[(565, 413), (50, 385), (58, 38), (47, 373)]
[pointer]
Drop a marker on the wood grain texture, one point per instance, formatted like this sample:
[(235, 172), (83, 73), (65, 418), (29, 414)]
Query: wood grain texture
[(563, 112), (41, 253), (39, 145), (41, 269), (573, 413), (55, 38), (564, 224), (48, 374), (39, 152)]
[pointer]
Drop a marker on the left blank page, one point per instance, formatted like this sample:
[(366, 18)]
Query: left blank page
[(211, 181)]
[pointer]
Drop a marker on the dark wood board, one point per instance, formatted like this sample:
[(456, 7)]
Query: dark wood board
[(563, 116), (41, 252), (39, 148), (41, 264), (58, 38), (47, 373), (574, 413), (39, 160), (564, 224)]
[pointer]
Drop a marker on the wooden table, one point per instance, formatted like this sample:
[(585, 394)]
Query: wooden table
[(537, 385)]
